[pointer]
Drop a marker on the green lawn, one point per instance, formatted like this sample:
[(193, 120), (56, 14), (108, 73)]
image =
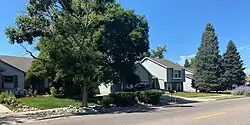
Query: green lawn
[(48, 102), (194, 94)]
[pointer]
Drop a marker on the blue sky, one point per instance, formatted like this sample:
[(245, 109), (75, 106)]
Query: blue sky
[(176, 23)]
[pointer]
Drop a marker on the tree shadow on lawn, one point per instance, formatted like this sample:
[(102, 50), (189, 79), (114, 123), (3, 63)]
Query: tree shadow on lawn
[(95, 100)]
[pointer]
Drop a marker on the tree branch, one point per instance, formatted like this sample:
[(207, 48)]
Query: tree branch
[(31, 54)]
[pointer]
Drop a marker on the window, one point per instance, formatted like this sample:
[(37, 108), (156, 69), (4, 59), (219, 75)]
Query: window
[(8, 79), (168, 86), (177, 74), (144, 82), (178, 86)]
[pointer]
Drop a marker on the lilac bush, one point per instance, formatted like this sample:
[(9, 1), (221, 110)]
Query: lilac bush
[(242, 90)]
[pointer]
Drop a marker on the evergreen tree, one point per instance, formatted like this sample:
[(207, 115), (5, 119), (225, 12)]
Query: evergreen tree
[(186, 64), (192, 62), (207, 67), (233, 67)]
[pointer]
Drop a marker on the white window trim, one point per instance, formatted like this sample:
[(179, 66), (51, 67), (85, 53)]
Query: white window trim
[(174, 74), (8, 81)]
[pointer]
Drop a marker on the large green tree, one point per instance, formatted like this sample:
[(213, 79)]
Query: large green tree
[(88, 42), (233, 69), (207, 65), (158, 52)]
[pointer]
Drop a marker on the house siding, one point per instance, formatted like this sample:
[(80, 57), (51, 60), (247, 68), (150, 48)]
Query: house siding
[(187, 85), (143, 74), (156, 70), (173, 82), (11, 71), (170, 75), (140, 71), (177, 86)]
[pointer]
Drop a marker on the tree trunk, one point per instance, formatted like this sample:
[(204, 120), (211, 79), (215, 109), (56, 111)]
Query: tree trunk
[(123, 82), (84, 96)]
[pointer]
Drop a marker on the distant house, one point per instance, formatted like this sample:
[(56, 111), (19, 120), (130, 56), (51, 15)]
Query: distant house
[(12, 74), (187, 85), (146, 78), (169, 75), (247, 80)]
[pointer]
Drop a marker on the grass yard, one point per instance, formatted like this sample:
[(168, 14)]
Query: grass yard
[(195, 94), (48, 102)]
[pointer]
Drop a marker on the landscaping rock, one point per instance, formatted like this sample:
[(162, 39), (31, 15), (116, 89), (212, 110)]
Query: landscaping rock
[(24, 108)]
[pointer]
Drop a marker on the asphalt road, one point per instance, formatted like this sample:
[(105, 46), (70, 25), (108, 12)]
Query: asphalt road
[(224, 112)]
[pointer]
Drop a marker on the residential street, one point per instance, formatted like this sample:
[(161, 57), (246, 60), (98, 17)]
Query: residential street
[(224, 112)]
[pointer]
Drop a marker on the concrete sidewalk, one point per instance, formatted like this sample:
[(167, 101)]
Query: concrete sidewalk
[(184, 100), (4, 110)]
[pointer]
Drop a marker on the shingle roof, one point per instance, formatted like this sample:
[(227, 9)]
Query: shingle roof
[(167, 63), (21, 63)]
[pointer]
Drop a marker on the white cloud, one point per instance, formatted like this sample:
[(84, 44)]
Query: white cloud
[(183, 58), (245, 48), (247, 71)]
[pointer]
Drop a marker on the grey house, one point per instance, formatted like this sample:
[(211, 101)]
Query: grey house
[(146, 78), (168, 75), (13, 71)]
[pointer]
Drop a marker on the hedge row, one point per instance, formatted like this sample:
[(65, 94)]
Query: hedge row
[(130, 98)]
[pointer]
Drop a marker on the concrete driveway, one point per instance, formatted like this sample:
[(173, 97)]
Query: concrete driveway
[(224, 112)]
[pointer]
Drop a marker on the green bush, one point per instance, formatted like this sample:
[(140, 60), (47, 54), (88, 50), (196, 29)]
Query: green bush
[(61, 91), (129, 98), (30, 92), (123, 98), (35, 93), (52, 91), (149, 96), (8, 98), (107, 101)]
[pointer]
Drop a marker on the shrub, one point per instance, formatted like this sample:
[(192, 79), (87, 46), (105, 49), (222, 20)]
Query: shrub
[(61, 91), (35, 93), (19, 92), (123, 98), (8, 98), (52, 91), (149, 96), (130, 98), (107, 101), (242, 90), (30, 92)]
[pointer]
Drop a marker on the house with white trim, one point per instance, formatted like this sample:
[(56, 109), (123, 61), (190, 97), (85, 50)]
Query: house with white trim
[(13, 71), (169, 75), (159, 74)]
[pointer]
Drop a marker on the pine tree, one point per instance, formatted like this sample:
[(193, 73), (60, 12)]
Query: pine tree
[(186, 64), (207, 69), (233, 70)]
